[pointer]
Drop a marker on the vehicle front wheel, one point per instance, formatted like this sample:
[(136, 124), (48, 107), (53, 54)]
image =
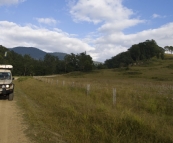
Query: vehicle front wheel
[(10, 96)]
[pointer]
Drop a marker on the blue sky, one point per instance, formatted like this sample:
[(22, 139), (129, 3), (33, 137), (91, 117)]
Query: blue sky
[(102, 28)]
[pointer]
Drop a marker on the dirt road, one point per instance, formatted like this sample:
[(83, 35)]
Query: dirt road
[(11, 123)]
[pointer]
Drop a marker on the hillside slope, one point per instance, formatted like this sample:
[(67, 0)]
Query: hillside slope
[(64, 110), (36, 53)]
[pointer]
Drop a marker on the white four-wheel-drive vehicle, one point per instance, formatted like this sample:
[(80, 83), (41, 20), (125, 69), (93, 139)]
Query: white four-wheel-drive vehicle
[(6, 82)]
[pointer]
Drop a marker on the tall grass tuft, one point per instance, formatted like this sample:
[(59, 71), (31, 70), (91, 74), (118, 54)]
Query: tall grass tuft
[(65, 113)]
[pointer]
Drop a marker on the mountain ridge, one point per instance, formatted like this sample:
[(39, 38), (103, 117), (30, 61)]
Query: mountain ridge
[(36, 53)]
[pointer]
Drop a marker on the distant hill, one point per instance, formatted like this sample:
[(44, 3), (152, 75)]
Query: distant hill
[(36, 53), (59, 55)]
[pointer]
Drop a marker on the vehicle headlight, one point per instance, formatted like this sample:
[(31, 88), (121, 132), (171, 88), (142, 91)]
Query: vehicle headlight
[(7, 86)]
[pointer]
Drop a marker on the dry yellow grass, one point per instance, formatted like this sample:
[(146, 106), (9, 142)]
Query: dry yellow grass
[(63, 112)]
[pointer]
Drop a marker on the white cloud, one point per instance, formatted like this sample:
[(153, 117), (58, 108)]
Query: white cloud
[(48, 21), (113, 44), (114, 18), (117, 26), (106, 41), (56, 40), (111, 13), (157, 16), (12, 35), (9, 2), (99, 10)]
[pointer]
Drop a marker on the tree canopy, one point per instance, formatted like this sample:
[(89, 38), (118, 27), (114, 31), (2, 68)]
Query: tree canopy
[(138, 52), (25, 65), (169, 49)]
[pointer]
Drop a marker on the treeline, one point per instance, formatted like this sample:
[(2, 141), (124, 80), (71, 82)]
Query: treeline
[(135, 54), (25, 65), (169, 49)]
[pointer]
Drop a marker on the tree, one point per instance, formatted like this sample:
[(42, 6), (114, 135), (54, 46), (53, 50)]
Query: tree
[(121, 60), (27, 65), (138, 52), (169, 49), (84, 62), (146, 50), (109, 63), (135, 52), (70, 62), (50, 63)]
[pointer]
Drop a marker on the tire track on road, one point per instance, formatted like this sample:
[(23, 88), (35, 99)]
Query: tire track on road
[(11, 123)]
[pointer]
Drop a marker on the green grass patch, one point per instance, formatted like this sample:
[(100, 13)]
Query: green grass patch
[(132, 73), (20, 79), (170, 66), (63, 112)]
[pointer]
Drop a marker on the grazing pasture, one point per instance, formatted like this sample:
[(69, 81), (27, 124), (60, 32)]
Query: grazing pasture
[(82, 107)]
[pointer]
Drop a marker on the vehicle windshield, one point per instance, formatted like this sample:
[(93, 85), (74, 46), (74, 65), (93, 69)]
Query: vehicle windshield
[(5, 75)]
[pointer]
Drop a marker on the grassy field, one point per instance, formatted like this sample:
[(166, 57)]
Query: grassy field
[(59, 110)]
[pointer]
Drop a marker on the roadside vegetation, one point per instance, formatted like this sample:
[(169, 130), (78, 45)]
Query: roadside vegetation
[(80, 62), (58, 109)]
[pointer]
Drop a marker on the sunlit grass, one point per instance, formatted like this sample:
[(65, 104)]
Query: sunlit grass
[(63, 112)]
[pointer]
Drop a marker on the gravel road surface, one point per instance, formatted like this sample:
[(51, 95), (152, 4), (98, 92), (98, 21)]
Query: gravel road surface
[(12, 126)]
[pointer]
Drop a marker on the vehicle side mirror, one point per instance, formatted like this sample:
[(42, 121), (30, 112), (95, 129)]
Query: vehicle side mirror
[(13, 78)]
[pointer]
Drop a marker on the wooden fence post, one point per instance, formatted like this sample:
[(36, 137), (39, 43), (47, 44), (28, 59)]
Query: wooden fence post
[(63, 82), (114, 96), (88, 89)]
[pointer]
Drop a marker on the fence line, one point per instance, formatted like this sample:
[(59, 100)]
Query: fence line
[(73, 84)]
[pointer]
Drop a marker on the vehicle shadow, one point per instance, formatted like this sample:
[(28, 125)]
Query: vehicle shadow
[(3, 97)]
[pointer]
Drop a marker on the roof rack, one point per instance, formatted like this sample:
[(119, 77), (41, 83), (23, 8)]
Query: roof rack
[(6, 66)]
